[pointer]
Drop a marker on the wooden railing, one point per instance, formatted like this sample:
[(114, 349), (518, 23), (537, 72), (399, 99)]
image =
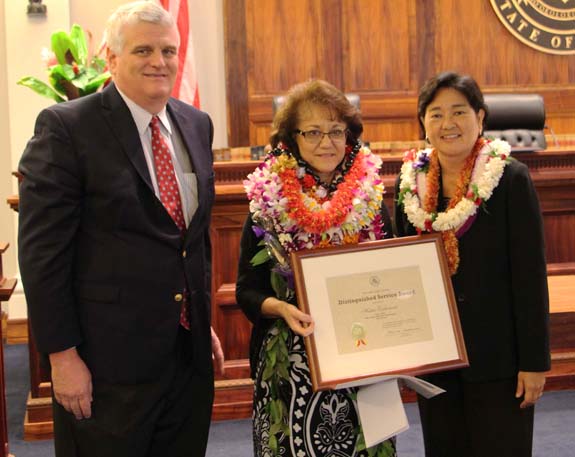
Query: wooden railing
[(6, 288)]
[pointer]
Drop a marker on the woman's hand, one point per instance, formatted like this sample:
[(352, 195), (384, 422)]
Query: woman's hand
[(300, 322), (529, 385)]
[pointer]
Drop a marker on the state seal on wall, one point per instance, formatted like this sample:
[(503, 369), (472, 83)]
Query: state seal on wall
[(545, 25)]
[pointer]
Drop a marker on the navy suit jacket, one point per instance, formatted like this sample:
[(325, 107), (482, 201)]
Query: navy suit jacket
[(101, 259)]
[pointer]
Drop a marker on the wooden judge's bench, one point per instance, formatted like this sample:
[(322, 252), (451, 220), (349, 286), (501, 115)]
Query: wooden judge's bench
[(553, 172)]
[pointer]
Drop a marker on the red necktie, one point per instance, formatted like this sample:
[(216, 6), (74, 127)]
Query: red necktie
[(169, 192)]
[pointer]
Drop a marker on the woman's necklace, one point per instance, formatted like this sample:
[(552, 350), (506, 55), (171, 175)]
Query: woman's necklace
[(419, 182), (303, 214)]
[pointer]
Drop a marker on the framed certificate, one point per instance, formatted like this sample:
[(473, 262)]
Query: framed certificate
[(380, 308)]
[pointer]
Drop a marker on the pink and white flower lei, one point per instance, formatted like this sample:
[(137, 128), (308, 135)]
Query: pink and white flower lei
[(267, 202), (487, 172)]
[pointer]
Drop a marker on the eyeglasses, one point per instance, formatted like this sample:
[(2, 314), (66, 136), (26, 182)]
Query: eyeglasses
[(316, 136)]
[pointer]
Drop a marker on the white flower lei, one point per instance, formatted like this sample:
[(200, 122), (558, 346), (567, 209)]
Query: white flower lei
[(487, 172), (264, 190)]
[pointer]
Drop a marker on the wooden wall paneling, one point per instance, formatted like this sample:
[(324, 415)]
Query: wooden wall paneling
[(464, 39), (384, 51), (560, 106), (377, 58), (425, 40), (334, 20), (260, 133), (390, 128), (380, 64), (236, 72), (269, 40), (559, 226), (290, 42), (260, 119), (282, 53), (554, 178), (231, 325), (234, 389), (559, 124)]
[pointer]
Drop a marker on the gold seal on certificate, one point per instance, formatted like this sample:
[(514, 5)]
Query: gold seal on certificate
[(389, 305), (358, 334)]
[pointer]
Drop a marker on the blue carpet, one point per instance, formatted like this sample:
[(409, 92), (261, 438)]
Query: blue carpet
[(554, 422)]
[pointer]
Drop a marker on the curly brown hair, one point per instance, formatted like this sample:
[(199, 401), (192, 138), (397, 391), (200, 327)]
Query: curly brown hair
[(319, 92)]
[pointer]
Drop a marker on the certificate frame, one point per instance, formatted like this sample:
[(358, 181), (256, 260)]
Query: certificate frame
[(425, 340)]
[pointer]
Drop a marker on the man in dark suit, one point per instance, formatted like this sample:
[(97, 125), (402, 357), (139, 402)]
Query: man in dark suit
[(115, 254)]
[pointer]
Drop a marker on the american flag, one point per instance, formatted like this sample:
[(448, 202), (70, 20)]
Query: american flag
[(186, 86)]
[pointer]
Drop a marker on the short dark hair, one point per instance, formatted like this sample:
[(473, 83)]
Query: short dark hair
[(315, 91), (464, 84)]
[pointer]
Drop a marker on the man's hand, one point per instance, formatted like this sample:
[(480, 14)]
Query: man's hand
[(529, 385), (72, 383), (217, 353)]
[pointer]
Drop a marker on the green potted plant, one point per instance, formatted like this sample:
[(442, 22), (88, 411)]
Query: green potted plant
[(72, 71)]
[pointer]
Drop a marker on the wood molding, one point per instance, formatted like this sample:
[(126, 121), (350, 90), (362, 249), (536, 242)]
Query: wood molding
[(233, 399), (236, 71), (565, 268), (38, 423), (17, 331), (426, 31)]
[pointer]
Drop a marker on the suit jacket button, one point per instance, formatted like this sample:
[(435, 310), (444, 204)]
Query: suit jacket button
[(461, 298), (178, 297), (184, 254)]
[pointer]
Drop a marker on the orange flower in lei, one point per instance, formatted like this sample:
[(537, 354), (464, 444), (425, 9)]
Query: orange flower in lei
[(340, 203), (431, 199)]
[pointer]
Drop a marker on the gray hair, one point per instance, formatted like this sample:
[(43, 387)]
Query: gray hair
[(130, 14)]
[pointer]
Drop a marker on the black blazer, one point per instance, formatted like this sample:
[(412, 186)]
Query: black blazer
[(501, 283), (101, 259)]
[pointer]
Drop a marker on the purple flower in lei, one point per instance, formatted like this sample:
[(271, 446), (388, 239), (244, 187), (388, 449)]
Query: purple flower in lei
[(258, 231), (287, 275), (421, 162)]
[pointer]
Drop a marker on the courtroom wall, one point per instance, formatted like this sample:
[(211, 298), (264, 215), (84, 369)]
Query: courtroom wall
[(384, 51), (6, 216)]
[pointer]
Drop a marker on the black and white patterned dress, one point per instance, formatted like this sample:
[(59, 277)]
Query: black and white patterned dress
[(322, 424)]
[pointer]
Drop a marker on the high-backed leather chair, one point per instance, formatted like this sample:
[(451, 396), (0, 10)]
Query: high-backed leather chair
[(518, 119), (279, 100)]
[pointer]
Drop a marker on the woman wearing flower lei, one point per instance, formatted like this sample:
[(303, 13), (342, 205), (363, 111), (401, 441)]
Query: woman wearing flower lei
[(485, 206), (318, 187)]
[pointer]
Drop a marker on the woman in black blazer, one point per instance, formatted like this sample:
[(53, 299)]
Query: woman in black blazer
[(484, 204)]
